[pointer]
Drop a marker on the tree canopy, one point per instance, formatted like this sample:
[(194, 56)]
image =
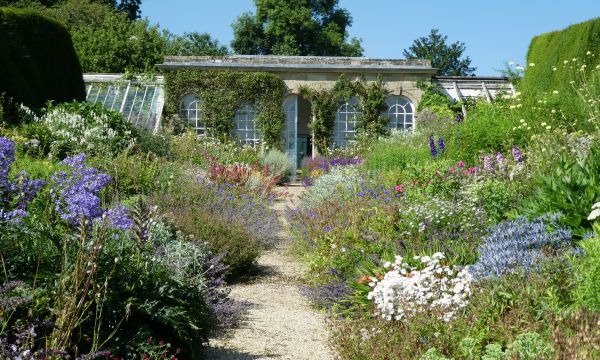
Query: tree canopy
[(108, 40), (130, 7), (448, 59), (295, 27), (194, 44)]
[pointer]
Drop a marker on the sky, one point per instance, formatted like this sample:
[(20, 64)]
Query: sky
[(493, 31)]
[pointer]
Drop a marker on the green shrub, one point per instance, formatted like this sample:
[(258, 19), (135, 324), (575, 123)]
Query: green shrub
[(37, 60), (398, 151), (586, 268), (278, 164), (488, 128)]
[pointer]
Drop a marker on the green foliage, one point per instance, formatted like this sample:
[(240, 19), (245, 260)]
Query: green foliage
[(586, 268), (570, 186), (307, 27), (37, 60), (530, 346), (446, 58), (372, 103), (222, 93), (397, 152), (130, 7), (547, 70), (236, 243), (194, 44), (434, 100), (323, 107), (106, 40), (433, 354), (488, 128)]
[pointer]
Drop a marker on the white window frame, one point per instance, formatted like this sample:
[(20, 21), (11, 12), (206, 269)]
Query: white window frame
[(401, 113), (189, 109), (245, 128), (346, 117)]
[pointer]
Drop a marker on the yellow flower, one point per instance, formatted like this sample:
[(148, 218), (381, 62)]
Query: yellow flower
[(532, 64)]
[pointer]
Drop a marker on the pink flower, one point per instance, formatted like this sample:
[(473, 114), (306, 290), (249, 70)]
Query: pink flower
[(453, 170), (465, 172), (399, 188), (472, 169), (461, 164)]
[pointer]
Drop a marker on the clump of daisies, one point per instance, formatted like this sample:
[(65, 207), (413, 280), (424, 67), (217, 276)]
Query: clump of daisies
[(406, 291)]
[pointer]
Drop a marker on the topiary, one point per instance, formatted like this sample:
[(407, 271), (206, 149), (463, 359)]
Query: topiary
[(37, 60)]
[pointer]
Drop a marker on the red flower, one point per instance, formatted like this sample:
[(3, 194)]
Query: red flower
[(461, 164), (399, 188)]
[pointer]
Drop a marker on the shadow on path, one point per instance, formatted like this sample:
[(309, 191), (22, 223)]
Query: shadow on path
[(229, 354)]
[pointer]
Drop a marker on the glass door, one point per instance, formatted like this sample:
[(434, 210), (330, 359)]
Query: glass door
[(290, 107)]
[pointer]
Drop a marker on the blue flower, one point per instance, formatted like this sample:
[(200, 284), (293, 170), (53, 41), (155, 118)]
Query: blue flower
[(432, 146)]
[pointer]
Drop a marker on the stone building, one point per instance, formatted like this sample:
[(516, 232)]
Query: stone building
[(399, 78)]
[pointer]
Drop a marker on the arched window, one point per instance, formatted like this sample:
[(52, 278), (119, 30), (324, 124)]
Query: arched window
[(190, 110), (245, 130), (345, 122), (400, 112)]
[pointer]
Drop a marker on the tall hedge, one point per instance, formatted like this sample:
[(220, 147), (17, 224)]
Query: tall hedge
[(37, 60), (547, 71)]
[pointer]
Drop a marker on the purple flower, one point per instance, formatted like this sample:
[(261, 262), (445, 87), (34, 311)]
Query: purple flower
[(488, 163), (7, 157), (76, 196), (517, 155), (117, 218), (20, 192), (432, 146), (500, 160), (459, 118), (441, 145)]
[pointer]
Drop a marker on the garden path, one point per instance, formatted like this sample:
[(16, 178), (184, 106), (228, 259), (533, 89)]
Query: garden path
[(280, 324)]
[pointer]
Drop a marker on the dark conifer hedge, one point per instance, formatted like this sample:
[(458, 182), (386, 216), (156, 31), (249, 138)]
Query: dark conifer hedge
[(555, 59), (37, 60)]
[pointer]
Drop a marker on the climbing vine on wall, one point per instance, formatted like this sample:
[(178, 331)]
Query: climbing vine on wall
[(223, 92), (325, 104)]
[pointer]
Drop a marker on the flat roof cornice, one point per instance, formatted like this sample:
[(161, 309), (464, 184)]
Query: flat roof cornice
[(297, 64)]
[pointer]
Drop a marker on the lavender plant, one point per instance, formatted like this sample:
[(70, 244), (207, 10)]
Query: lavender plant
[(520, 245)]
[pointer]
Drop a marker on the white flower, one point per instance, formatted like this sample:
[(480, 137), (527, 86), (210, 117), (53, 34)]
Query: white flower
[(595, 211)]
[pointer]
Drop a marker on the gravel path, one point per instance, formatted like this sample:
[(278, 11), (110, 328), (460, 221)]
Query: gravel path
[(280, 324)]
